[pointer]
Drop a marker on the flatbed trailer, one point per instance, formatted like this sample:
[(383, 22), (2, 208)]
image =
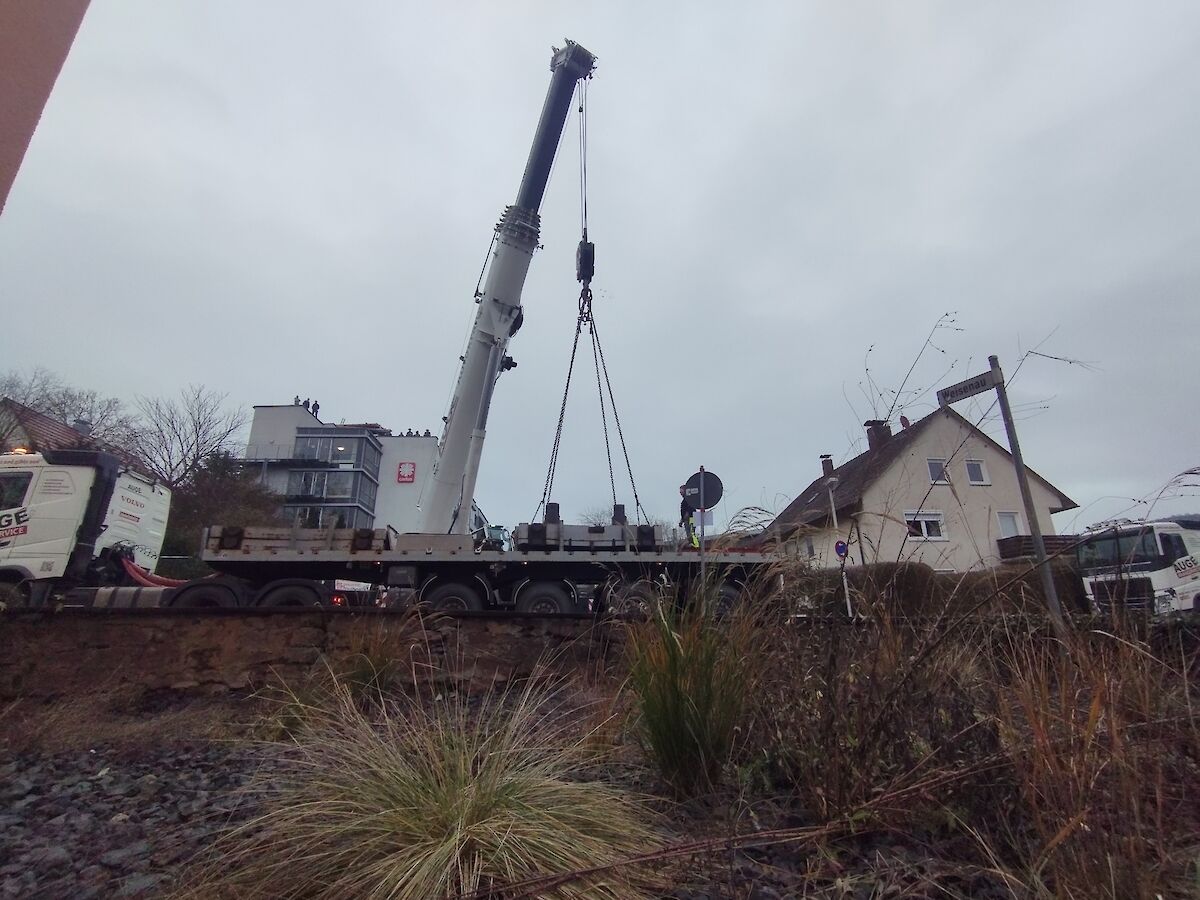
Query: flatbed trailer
[(293, 567)]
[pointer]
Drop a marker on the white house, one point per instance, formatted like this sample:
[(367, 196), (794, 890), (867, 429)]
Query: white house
[(939, 491)]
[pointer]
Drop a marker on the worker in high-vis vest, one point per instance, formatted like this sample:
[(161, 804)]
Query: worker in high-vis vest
[(687, 517)]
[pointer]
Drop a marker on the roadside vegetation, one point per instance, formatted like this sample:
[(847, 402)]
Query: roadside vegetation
[(944, 744), (435, 795)]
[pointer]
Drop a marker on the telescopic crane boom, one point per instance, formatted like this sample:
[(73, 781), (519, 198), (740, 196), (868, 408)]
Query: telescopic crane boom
[(448, 507)]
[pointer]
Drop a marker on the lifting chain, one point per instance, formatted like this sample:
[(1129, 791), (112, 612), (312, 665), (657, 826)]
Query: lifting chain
[(585, 268)]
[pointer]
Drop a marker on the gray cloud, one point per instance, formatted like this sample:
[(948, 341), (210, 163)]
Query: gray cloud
[(271, 199)]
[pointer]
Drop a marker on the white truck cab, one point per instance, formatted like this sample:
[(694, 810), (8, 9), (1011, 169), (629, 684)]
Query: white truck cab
[(63, 512), (1148, 566)]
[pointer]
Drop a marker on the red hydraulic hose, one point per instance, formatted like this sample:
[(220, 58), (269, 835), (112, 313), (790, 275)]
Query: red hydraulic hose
[(149, 579)]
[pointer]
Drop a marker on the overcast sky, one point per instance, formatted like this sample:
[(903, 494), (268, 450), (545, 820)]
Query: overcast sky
[(275, 198)]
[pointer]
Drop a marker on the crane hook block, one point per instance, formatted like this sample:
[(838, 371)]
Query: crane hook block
[(585, 261)]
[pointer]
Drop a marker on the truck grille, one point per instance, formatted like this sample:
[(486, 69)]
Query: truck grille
[(1128, 593)]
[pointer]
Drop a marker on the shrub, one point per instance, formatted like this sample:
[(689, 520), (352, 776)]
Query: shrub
[(690, 674), (437, 797)]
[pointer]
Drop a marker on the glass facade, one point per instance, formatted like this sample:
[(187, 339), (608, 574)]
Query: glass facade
[(344, 487), (322, 516)]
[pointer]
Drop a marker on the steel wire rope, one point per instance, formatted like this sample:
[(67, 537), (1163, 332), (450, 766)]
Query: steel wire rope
[(612, 481), (637, 503)]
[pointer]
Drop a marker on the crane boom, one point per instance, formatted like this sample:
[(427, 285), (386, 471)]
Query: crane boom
[(447, 509)]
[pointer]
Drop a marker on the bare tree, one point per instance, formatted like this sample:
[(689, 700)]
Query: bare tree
[(178, 435), (108, 421), (596, 515)]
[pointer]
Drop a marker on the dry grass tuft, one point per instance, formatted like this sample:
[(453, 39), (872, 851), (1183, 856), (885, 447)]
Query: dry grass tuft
[(434, 797)]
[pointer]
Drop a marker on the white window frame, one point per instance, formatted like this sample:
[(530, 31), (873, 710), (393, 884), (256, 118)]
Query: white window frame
[(945, 479), (926, 515), (1000, 528), (985, 478)]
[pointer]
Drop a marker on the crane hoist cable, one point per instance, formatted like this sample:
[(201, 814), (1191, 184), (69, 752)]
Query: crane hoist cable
[(585, 265)]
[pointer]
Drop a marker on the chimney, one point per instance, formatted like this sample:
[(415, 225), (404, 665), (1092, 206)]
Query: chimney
[(83, 426), (878, 433), (826, 464)]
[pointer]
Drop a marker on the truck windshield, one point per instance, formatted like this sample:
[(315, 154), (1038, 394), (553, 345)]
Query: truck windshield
[(1112, 550)]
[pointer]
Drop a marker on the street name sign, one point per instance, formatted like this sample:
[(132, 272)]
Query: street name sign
[(964, 389)]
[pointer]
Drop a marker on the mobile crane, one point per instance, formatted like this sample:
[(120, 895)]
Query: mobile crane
[(554, 567)]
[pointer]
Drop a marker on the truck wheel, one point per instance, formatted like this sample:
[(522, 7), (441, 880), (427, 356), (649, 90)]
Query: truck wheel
[(207, 594), (453, 597), (636, 601), (727, 598), (11, 595), (546, 598), (290, 594)]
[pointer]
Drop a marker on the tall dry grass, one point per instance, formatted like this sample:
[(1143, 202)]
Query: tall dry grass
[(1066, 771), (690, 674), (430, 797), (1104, 744)]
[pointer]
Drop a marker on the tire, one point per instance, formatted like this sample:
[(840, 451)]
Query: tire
[(546, 598), (11, 595), (290, 594), (635, 601), (208, 594), (729, 595), (453, 597)]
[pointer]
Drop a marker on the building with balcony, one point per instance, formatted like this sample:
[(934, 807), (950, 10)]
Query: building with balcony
[(349, 476)]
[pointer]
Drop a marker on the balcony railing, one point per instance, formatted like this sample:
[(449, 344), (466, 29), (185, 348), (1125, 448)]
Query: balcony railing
[(1020, 546)]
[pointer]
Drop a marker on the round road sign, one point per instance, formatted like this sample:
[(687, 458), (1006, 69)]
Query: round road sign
[(841, 549), (712, 490)]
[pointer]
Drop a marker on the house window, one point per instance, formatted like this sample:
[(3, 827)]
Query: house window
[(313, 448), (306, 484), (371, 459), (977, 472), (937, 471), (926, 526), (339, 484), (304, 516), (1010, 523), (809, 549), (366, 492), (345, 451)]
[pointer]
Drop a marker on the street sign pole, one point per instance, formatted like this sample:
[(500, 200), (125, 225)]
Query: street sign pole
[(706, 488), (1035, 530)]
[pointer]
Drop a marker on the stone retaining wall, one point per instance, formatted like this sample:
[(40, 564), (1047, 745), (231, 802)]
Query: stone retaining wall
[(73, 651)]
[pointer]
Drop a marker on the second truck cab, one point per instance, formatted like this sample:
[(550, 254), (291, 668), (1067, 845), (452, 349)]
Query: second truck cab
[(63, 511)]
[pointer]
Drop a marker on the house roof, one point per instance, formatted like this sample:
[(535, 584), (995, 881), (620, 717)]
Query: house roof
[(858, 474), (47, 433)]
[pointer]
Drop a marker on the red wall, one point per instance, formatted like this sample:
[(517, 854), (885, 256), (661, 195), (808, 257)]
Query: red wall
[(35, 36)]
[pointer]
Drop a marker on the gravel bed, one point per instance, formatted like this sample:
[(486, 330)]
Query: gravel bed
[(101, 823)]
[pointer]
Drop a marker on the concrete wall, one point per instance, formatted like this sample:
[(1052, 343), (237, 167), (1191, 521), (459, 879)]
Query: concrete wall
[(273, 431), (79, 651), (35, 37)]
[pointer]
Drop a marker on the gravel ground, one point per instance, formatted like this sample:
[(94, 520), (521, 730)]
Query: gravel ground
[(104, 823), (97, 823)]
